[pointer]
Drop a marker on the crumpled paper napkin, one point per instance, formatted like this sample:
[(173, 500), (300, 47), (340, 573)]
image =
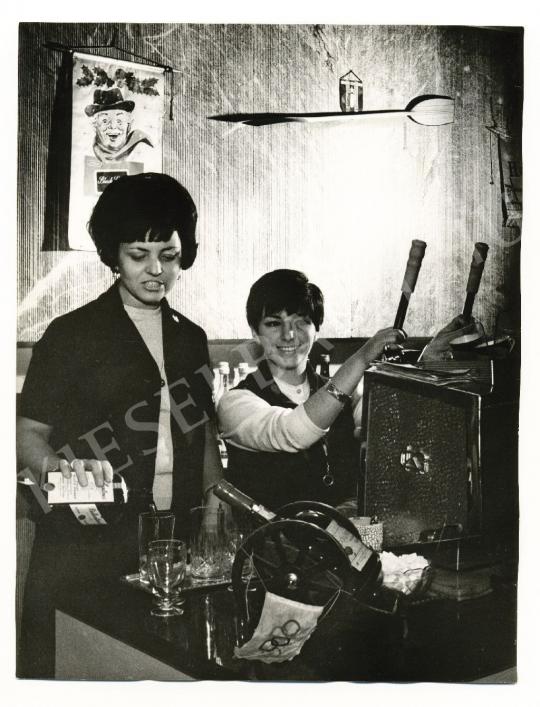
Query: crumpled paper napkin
[(284, 627), (402, 572)]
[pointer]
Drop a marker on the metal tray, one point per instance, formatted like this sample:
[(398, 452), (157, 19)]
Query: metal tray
[(189, 584)]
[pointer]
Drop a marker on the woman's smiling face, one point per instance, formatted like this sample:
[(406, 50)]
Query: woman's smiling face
[(148, 270), (286, 339)]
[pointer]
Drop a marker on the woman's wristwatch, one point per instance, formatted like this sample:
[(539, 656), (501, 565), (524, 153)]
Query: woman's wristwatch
[(336, 393)]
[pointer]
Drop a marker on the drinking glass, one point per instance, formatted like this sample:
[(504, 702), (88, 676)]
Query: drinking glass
[(214, 539), (153, 525), (166, 571)]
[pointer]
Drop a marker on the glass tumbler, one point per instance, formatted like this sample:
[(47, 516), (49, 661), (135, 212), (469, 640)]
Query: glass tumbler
[(214, 539), (153, 525)]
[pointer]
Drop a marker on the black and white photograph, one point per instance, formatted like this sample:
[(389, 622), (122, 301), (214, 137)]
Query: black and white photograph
[(268, 353)]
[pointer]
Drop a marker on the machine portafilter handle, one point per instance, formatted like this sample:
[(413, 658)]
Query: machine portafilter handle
[(475, 275), (416, 255), (394, 352)]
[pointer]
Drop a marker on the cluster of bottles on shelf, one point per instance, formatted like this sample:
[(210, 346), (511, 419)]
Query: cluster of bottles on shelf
[(224, 381)]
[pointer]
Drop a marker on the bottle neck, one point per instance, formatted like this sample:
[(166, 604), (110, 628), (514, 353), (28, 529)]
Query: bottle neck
[(235, 498), (263, 512)]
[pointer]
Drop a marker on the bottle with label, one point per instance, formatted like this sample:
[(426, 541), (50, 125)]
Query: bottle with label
[(221, 381), (235, 378), (89, 505), (325, 366), (243, 370), (225, 375), (365, 566), (223, 454)]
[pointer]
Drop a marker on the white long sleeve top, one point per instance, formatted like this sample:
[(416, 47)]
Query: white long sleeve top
[(249, 422)]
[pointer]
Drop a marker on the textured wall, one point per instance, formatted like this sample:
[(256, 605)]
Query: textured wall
[(340, 202)]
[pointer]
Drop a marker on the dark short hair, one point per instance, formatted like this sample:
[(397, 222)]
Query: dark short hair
[(143, 207), (284, 290)]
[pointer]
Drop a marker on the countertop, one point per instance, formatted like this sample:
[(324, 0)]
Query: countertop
[(435, 639)]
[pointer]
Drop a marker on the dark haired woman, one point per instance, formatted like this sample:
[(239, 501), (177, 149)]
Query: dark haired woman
[(290, 433), (120, 384)]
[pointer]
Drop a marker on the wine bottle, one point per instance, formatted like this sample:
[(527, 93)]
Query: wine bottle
[(222, 381), (325, 366), (365, 566), (225, 372), (89, 505)]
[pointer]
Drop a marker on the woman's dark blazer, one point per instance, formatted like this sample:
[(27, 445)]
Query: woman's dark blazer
[(94, 381)]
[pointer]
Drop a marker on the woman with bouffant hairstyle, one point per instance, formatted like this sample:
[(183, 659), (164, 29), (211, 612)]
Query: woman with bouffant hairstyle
[(118, 385)]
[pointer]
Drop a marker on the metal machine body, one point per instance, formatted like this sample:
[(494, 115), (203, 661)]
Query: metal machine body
[(438, 462)]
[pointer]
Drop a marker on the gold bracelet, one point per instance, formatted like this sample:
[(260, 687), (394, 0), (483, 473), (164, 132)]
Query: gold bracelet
[(336, 393)]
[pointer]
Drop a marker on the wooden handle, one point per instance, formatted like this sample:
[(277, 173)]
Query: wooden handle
[(475, 275), (416, 255), (477, 267)]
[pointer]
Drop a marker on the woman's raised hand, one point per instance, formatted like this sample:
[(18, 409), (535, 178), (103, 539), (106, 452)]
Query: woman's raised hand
[(375, 346), (439, 348), (101, 470)]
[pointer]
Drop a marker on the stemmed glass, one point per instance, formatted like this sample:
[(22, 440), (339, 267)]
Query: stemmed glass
[(166, 572)]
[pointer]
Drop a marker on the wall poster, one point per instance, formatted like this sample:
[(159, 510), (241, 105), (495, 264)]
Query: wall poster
[(117, 128)]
